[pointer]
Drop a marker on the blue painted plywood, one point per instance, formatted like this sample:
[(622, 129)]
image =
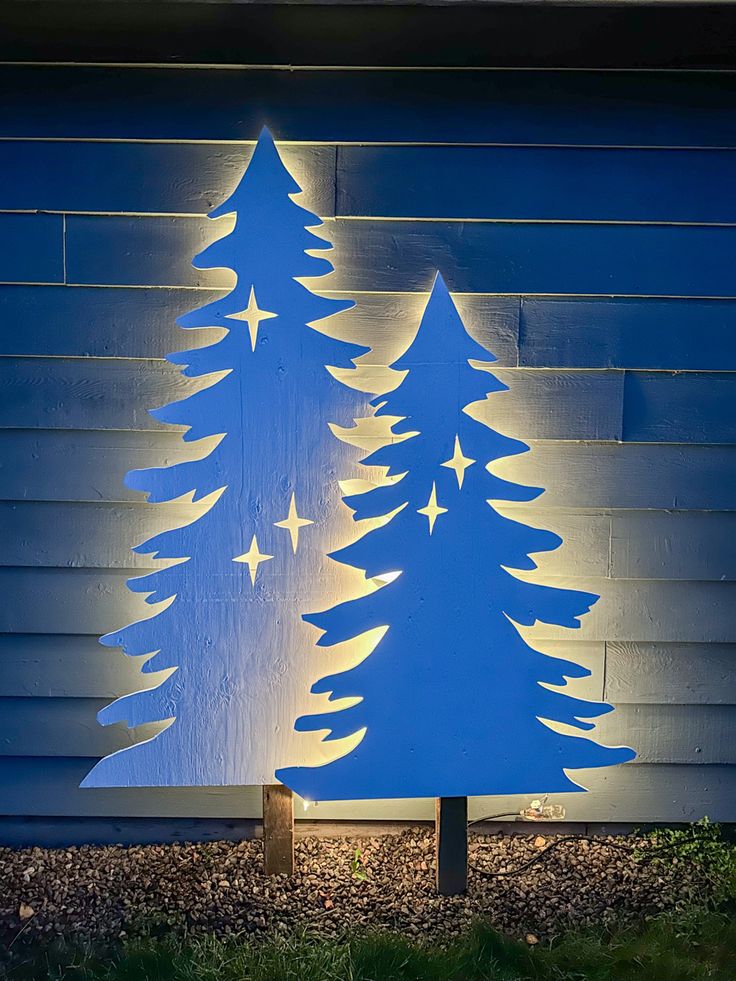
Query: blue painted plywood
[(448, 643), (533, 183), (31, 249), (599, 108), (222, 631)]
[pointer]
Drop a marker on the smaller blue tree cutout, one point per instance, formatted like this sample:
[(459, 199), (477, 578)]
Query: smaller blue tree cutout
[(226, 642), (452, 701)]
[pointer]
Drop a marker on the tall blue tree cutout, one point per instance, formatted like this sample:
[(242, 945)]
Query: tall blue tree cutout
[(452, 701), (230, 643)]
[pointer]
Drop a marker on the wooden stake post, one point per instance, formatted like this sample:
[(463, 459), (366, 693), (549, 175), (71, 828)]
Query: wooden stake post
[(451, 827), (278, 829)]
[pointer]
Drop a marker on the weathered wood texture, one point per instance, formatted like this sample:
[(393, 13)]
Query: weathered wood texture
[(278, 830), (588, 223)]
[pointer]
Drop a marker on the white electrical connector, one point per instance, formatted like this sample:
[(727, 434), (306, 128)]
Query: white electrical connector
[(540, 810)]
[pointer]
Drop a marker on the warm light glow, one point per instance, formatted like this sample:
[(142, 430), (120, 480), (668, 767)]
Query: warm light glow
[(432, 509), (458, 462), (253, 558), (293, 523), (253, 316)]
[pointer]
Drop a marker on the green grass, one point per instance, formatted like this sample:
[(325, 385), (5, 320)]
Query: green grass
[(693, 947)]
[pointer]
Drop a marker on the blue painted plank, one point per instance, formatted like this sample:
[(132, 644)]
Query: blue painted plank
[(673, 545), (403, 255), (77, 666), (31, 249), (56, 832), (627, 333), (145, 177), (536, 184), (88, 393), (65, 666), (61, 727), (680, 408), (93, 601), (67, 727), (630, 475), (690, 545), (685, 674), (630, 109), (55, 393), (56, 320), (80, 466), (647, 792), (124, 251), (84, 536), (676, 260), (58, 465), (567, 332)]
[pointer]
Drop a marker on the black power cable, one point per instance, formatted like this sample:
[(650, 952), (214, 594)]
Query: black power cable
[(647, 854)]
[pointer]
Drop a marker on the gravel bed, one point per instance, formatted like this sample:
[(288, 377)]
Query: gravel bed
[(113, 892)]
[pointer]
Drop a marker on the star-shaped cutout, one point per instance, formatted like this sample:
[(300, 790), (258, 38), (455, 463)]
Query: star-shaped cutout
[(253, 558), (432, 509), (293, 523), (458, 462), (253, 316)]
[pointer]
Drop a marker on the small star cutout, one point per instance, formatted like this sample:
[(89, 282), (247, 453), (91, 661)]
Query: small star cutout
[(432, 510), (253, 558), (253, 316), (458, 462), (293, 523)]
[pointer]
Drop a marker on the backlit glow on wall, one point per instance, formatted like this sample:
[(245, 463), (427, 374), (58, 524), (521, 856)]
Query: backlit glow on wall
[(452, 701), (432, 683), (226, 631)]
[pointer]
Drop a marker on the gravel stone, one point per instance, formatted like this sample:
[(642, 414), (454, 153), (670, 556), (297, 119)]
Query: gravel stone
[(112, 892)]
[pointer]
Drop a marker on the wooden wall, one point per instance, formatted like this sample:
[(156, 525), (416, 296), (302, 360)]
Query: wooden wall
[(586, 222)]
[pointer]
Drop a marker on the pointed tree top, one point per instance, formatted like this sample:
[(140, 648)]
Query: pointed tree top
[(265, 170), (442, 337)]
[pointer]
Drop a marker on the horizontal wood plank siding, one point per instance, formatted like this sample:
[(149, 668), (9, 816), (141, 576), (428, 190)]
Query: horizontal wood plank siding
[(390, 255), (587, 224), (537, 184), (50, 786), (83, 465), (582, 108)]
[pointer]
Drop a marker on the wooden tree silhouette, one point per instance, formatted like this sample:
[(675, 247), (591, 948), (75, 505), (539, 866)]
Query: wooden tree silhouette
[(452, 701), (227, 640)]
